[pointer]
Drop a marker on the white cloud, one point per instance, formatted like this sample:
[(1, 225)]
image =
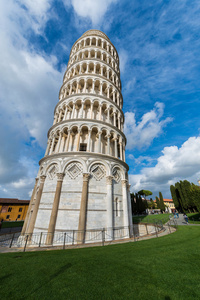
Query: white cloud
[(173, 165), (123, 58), (140, 135), (94, 10), (29, 84)]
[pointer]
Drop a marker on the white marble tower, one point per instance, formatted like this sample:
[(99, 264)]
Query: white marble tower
[(82, 182)]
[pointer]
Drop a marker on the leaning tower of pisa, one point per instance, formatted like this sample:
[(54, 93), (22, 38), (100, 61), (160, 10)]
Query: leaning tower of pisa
[(82, 183)]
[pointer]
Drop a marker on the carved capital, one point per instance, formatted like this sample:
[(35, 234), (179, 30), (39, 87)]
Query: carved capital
[(109, 180), (36, 180), (60, 176), (124, 182), (128, 187), (42, 178), (86, 177)]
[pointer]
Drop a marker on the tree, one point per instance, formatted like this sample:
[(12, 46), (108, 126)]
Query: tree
[(186, 196), (162, 205), (145, 193), (174, 197), (157, 202), (195, 196), (152, 204)]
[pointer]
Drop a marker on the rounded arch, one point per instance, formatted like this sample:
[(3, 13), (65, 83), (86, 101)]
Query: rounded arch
[(104, 163), (75, 160), (118, 167), (49, 167)]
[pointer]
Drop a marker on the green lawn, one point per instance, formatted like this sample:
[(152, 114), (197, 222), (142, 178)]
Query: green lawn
[(194, 218), (12, 224), (161, 268), (152, 218)]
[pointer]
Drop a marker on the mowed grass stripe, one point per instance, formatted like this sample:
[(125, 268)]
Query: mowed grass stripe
[(162, 268)]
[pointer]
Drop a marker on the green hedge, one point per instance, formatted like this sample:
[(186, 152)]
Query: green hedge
[(12, 224)]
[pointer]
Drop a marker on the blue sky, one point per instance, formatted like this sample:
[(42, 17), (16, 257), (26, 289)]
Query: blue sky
[(158, 43)]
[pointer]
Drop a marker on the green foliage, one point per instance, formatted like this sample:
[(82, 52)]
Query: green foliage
[(175, 197), (151, 204), (162, 205), (138, 205), (157, 202), (145, 193), (12, 224), (186, 196)]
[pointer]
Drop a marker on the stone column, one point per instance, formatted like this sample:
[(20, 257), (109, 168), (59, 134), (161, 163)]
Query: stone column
[(101, 88), (65, 115), (109, 180), (73, 111), (120, 148), (36, 206), (114, 96), (108, 144), (78, 140), (99, 145), (51, 149), (91, 112), (48, 146), (54, 212), (83, 209), (125, 204), (108, 92), (130, 211), (59, 141), (67, 142), (116, 154), (60, 114), (114, 118), (81, 113), (119, 123), (29, 208), (108, 114), (95, 66), (100, 112), (62, 144), (89, 138)]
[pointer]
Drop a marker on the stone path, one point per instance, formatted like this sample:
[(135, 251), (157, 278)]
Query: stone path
[(181, 221)]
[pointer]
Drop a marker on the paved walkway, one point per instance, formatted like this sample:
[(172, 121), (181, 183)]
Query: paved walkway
[(181, 221)]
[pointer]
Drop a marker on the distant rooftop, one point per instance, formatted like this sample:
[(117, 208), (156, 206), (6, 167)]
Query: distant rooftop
[(13, 201)]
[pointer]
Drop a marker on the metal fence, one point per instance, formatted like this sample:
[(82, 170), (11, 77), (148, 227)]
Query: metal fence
[(76, 238)]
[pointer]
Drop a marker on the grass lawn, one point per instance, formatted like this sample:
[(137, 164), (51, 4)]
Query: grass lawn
[(163, 268), (12, 224), (194, 218), (152, 218)]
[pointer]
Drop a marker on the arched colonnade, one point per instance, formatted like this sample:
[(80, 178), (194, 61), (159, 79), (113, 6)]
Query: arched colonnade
[(90, 85), (95, 42), (96, 68), (88, 109), (85, 138)]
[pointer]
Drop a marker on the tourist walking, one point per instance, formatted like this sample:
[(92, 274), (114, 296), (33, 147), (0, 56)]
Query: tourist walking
[(186, 218)]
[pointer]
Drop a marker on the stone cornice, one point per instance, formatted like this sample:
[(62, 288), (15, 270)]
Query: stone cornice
[(85, 154)]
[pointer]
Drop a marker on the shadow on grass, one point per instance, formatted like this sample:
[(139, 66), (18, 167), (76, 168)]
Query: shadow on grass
[(52, 277), (5, 277), (60, 271)]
